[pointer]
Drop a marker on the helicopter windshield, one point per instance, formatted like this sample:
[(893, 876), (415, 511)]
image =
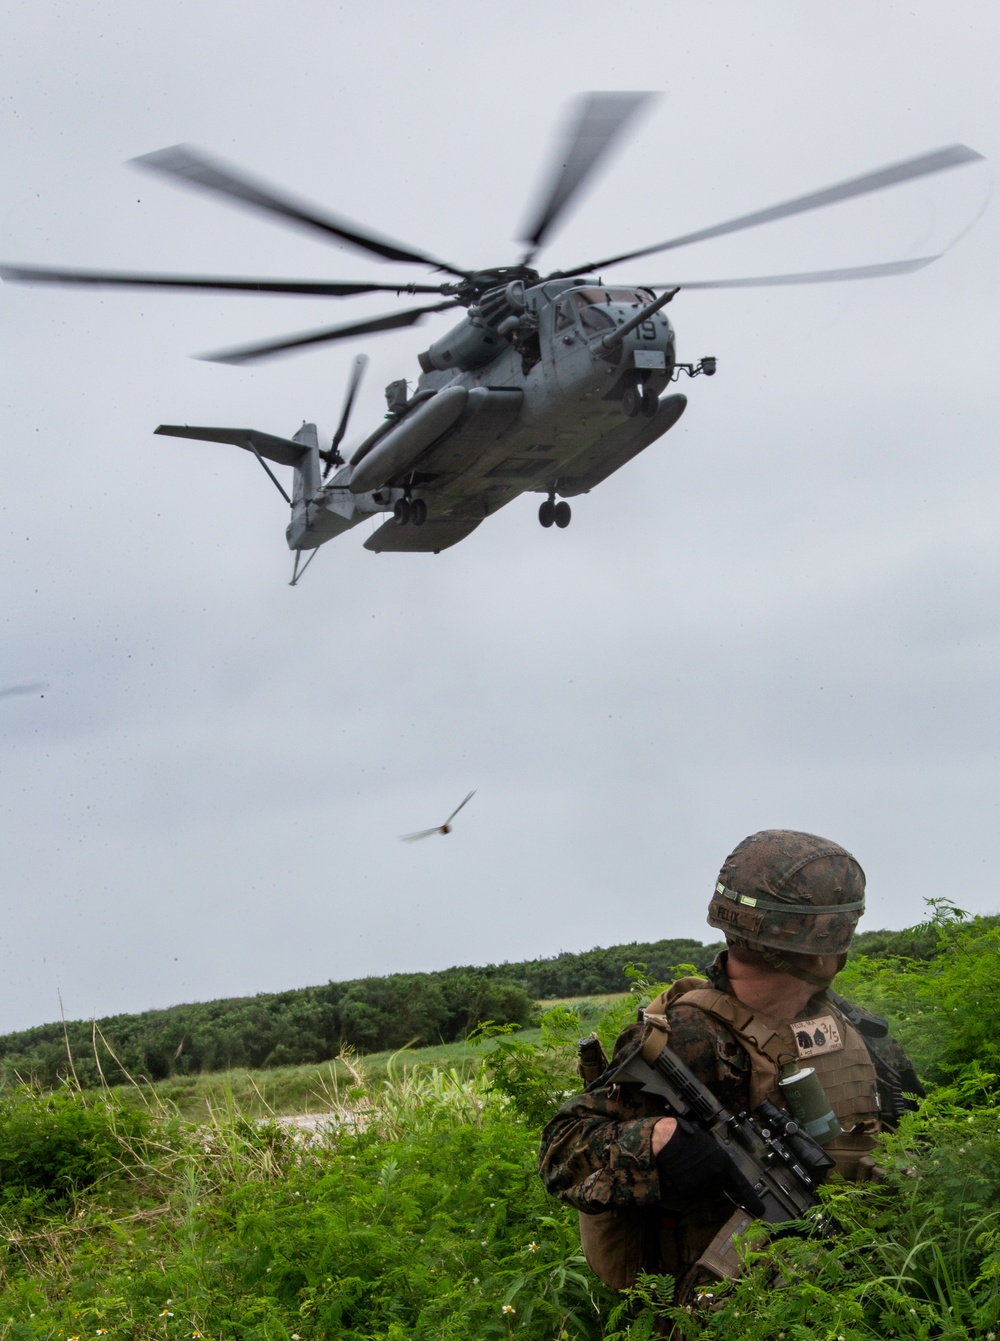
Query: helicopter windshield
[(586, 297), (587, 304)]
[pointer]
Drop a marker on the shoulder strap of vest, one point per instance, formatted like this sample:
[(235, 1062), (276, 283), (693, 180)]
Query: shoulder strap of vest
[(656, 1012), (766, 1035), (867, 1024), (767, 1042)]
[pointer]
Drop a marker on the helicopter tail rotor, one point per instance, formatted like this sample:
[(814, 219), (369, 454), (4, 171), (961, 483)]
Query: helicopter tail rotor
[(332, 456)]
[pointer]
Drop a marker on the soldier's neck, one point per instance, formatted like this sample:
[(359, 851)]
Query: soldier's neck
[(776, 994)]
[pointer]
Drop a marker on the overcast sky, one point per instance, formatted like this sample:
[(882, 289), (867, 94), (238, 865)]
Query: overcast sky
[(783, 614)]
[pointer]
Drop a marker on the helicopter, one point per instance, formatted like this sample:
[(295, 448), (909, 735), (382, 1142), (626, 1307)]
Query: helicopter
[(548, 384)]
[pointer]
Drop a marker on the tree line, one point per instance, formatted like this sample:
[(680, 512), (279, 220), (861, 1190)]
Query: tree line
[(313, 1024)]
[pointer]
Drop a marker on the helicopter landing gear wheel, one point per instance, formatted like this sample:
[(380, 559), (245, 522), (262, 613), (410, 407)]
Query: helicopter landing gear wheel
[(402, 512), (547, 512), (632, 400), (650, 403), (562, 515)]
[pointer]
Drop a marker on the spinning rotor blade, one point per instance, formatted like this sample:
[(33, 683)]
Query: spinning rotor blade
[(600, 118), (879, 271), (392, 321), (195, 168), (333, 457), (939, 160), (22, 274)]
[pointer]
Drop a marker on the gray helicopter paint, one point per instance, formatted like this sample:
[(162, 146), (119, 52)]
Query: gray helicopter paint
[(283, 451), (436, 534), (470, 442), (307, 470), (468, 448), (618, 446), (608, 345), (405, 443)]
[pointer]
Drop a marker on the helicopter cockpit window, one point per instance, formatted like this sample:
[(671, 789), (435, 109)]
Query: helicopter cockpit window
[(593, 319), (587, 304), (585, 297)]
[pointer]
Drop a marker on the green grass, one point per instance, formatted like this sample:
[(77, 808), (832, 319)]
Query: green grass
[(288, 1090), (423, 1218)]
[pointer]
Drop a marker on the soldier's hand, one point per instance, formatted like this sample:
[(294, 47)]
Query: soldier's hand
[(662, 1133), (697, 1168)]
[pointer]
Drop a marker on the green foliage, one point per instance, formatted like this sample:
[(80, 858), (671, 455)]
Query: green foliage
[(54, 1145), (422, 1219), (417, 1214), (642, 1310), (534, 1078), (945, 1010), (917, 1256), (310, 1025), (313, 1024)]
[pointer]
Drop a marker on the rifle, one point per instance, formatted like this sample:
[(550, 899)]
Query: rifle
[(783, 1164)]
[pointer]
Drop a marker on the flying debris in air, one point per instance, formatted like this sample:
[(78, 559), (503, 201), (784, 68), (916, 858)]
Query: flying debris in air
[(439, 828), (13, 690)]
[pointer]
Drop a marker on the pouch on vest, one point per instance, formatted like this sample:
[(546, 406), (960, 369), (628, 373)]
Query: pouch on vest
[(614, 1244)]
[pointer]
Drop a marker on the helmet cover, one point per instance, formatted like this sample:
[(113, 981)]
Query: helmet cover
[(789, 891)]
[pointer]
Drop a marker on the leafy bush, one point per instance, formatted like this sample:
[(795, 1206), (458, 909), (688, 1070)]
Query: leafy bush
[(54, 1145), (945, 1010), (917, 1256), (418, 1214), (419, 1217)]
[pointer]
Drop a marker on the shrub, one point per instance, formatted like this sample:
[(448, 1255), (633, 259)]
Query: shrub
[(53, 1145)]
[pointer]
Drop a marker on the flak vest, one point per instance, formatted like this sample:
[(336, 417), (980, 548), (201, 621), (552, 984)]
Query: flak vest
[(618, 1243)]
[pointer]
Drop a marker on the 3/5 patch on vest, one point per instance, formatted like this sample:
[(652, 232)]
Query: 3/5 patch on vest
[(816, 1036)]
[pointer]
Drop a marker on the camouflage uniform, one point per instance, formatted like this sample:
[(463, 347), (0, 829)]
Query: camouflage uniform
[(596, 1153)]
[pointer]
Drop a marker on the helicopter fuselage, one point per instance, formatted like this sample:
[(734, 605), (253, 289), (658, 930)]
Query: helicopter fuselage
[(541, 390)]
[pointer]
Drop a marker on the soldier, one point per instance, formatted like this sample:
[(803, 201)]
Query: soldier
[(653, 1191)]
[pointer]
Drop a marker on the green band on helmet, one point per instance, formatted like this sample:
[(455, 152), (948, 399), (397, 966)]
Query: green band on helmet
[(798, 909)]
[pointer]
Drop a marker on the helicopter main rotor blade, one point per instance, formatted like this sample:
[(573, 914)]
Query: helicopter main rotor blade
[(269, 348), (23, 274), (938, 160), (193, 167), (599, 119), (878, 271)]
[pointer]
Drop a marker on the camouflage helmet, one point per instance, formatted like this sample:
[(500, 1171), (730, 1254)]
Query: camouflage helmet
[(791, 892)]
